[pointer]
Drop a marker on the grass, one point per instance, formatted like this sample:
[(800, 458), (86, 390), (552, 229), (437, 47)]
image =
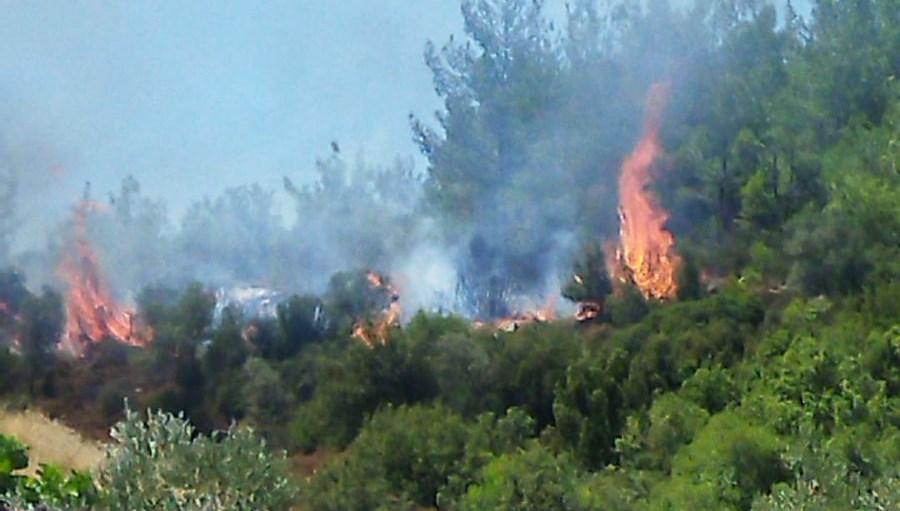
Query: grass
[(50, 441)]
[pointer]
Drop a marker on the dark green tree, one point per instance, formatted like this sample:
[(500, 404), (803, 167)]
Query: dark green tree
[(491, 160), (301, 322), (42, 320), (591, 278)]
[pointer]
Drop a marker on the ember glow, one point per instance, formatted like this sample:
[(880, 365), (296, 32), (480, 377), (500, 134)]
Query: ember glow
[(91, 313), (647, 250), (543, 314)]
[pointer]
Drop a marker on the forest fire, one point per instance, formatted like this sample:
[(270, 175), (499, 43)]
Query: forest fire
[(378, 329), (91, 313), (647, 250), (516, 321)]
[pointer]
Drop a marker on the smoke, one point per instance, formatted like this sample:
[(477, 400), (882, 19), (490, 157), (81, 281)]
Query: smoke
[(523, 159), (353, 217), (8, 187), (33, 178), (521, 165)]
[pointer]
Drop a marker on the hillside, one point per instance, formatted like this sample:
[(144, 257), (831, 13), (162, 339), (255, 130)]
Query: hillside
[(653, 264)]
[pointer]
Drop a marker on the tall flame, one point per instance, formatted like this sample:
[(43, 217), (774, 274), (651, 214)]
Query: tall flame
[(91, 313), (647, 249)]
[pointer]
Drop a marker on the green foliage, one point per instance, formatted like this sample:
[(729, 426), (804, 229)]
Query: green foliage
[(670, 423), (55, 488), (299, 325), (826, 479), (626, 371), (263, 395), (42, 320), (13, 456), (588, 408), (713, 388), (180, 320), (591, 281), (730, 462), (51, 486), (352, 382), (162, 463), (688, 279), (194, 311), (534, 479), (627, 306), (488, 437), (527, 367), (462, 368), (227, 349), (402, 454)]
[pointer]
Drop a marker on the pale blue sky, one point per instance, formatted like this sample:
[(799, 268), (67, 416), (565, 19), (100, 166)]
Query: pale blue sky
[(194, 96)]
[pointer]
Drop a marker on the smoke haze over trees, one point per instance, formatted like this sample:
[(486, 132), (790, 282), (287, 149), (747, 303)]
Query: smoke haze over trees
[(520, 167)]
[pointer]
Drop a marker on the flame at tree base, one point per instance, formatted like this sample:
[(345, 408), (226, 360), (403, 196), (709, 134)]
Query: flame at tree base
[(91, 313), (646, 254)]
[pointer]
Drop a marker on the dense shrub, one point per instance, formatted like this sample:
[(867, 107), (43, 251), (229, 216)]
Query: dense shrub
[(161, 463)]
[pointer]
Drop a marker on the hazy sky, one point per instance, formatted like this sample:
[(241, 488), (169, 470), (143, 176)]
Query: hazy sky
[(193, 96)]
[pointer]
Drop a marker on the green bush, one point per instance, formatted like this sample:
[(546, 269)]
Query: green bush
[(533, 479), (52, 486), (162, 464), (13, 456), (403, 454)]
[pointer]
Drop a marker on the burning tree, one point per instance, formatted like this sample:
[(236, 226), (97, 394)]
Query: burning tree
[(91, 313), (646, 253)]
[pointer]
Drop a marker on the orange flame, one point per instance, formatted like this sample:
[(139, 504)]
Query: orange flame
[(374, 279), (543, 314), (380, 327), (91, 313), (647, 249)]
